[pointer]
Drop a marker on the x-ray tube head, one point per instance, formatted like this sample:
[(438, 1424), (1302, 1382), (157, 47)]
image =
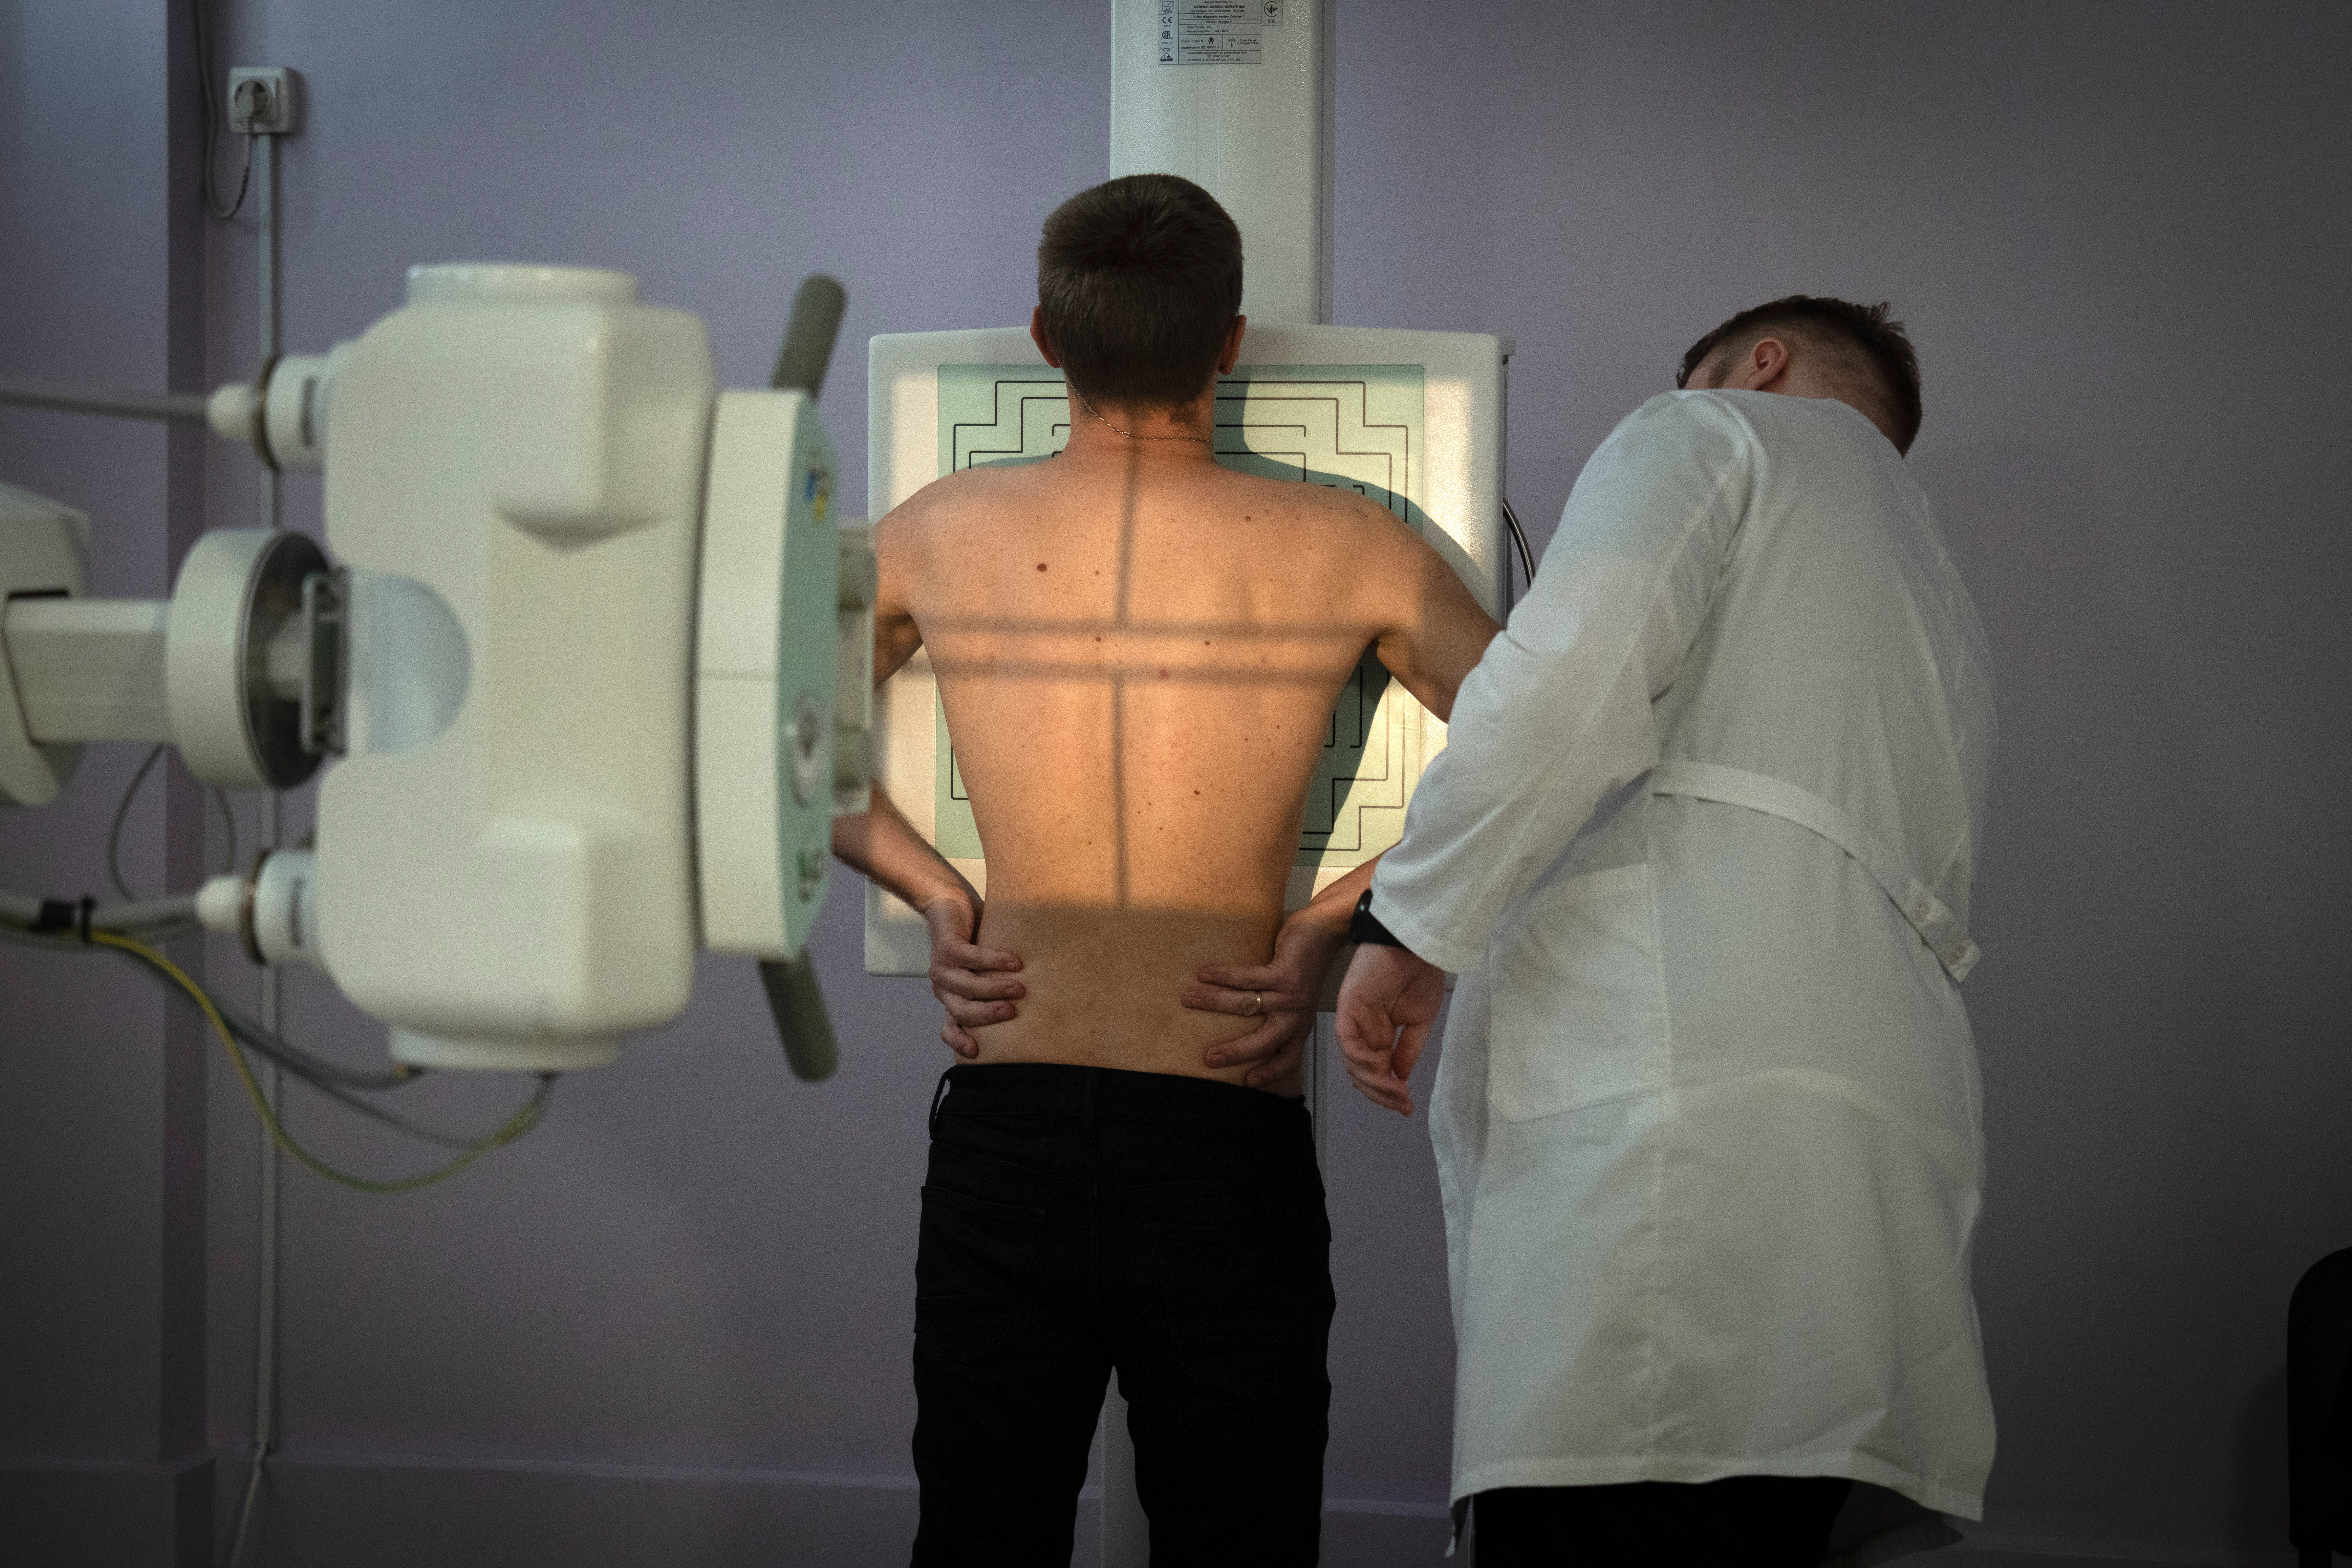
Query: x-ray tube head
[(515, 481)]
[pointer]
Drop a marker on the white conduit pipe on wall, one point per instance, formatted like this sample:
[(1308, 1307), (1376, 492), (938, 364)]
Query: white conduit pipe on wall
[(273, 983)]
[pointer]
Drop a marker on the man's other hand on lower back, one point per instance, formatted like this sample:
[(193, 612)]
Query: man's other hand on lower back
[(974, 984), (1280, 994)]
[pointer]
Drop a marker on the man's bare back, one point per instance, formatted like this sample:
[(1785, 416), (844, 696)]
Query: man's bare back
[(1139, 652)]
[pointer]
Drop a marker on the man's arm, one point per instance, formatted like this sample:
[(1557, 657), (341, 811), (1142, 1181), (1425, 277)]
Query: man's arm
[(1431, 635), (1431, 631), (973, 983), (880, 842), (884, 847)]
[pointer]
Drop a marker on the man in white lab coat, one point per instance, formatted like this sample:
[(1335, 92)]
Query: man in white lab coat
[(1699, 847)]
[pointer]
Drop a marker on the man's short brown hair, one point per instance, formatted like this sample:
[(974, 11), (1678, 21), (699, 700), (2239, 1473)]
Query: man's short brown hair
[(1139, 280), (1861, 347)]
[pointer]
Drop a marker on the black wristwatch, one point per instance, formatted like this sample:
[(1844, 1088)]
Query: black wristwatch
[(1363, 926)]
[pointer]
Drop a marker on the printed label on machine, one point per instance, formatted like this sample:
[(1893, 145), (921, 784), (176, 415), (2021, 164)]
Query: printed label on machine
[(1214, 32), (1357, 427)]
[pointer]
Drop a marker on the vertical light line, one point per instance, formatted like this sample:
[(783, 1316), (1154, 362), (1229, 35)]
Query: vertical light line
[(1127, 531), (1118, 790), (1119, 682)]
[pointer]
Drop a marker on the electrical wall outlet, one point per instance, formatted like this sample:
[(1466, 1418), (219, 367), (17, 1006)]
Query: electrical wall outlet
[(264, 101)]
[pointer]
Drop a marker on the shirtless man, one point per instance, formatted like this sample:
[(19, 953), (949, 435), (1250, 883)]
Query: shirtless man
[(1138, 651)]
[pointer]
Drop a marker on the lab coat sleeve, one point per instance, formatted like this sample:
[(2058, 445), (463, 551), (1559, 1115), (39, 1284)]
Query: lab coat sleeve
[(1556, 717)]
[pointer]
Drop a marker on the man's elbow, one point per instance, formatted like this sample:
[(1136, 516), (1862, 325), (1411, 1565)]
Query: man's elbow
[(1464, 653), (1435, 693), (853, 839)]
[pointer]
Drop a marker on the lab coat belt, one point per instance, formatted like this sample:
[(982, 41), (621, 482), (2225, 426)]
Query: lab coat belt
[(1937, 926)]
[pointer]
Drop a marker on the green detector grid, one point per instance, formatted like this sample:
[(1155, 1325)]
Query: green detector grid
[(1355, 427)]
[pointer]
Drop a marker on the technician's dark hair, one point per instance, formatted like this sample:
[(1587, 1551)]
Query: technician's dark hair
[(1860, 341), (1140, 280)]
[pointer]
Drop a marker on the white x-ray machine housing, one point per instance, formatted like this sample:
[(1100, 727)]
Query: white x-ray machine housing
[(595, 667)]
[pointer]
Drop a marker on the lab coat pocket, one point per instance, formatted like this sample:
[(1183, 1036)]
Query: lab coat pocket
[(1579, 1006)]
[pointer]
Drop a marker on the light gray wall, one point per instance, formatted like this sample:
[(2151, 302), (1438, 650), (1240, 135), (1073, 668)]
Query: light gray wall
[(102, 1112), (2116, 233)]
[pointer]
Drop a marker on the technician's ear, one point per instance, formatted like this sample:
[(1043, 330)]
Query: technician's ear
[(1037, 335), (1758, 369), (1231, 354)]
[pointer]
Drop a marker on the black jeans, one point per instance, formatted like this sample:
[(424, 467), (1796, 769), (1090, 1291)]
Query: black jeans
[(1079, 1219), (1742, 1521)]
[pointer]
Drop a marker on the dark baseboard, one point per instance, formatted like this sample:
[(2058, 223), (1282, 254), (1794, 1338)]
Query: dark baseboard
[(397, 1511), (107, 1515), (393, 1511)]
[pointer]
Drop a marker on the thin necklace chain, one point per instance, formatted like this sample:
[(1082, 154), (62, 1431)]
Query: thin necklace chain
[(1129, 434)]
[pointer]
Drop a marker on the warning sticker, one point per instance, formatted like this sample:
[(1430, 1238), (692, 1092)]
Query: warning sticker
[(1215, 31)]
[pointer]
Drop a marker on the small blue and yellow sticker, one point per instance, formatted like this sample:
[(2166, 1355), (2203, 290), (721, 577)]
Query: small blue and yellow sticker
[(818, 485)]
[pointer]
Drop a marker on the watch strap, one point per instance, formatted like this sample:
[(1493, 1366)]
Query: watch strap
[(1363, 926)]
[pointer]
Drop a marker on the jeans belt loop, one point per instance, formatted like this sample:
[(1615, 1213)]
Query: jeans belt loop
[(937, 1095)]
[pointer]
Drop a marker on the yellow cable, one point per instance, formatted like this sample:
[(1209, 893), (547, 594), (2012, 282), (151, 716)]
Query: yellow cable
[(514, 1127)]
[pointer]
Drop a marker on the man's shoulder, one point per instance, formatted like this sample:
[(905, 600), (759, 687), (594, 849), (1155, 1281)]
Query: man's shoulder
[(967, 486), (1347, 537), (959, 494), (1305, 500)]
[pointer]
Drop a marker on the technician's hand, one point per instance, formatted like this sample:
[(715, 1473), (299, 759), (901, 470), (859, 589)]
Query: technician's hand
[(1386, 1005), (973, 983), (1281, 993)]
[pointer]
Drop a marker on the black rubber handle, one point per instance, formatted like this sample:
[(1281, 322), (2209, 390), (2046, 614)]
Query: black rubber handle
[(808, 335), (801, 1022)]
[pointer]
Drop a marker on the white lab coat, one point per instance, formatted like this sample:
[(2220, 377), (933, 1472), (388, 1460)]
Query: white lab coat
[(1699, 845)]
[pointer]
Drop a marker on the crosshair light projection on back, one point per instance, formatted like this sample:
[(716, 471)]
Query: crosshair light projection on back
[(1412, 421), (1354, 427)]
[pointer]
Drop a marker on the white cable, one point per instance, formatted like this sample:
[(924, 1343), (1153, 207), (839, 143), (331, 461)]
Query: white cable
[(24, 911)]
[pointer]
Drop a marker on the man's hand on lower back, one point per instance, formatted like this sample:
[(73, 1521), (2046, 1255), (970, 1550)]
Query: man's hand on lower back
[(1386, 1005), (1281, 994), (974, 984)]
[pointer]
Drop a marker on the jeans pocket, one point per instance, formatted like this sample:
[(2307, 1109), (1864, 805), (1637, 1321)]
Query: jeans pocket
[(972, 1272)]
